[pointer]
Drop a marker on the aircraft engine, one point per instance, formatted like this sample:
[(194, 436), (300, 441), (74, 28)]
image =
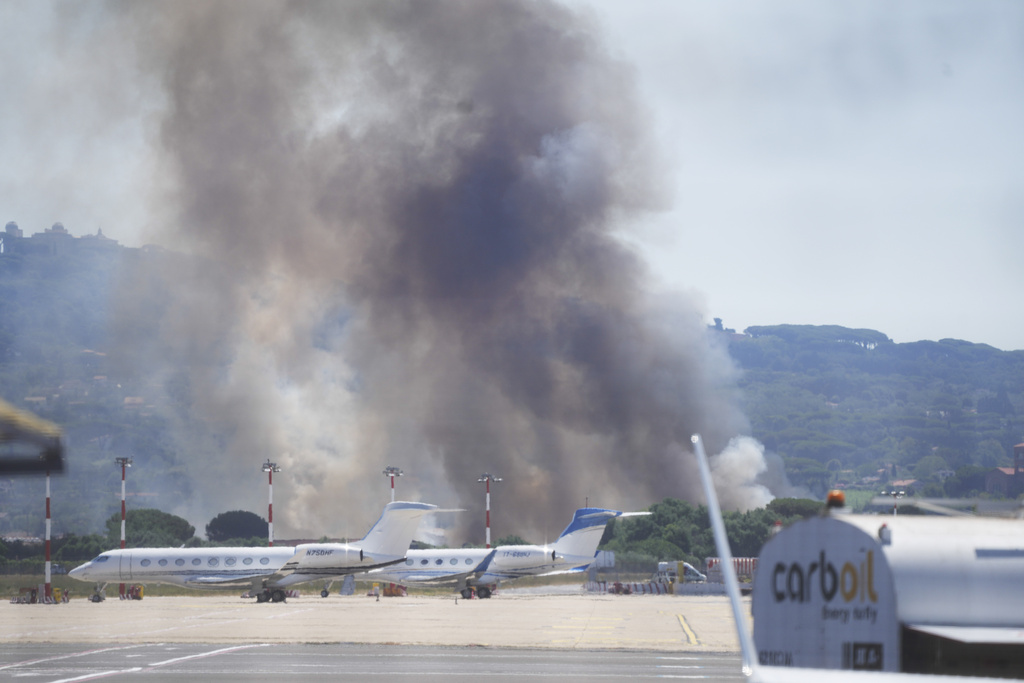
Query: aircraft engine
[(521, 556), (324, 555)]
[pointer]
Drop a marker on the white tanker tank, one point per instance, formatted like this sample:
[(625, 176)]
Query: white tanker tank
[(910, 593)]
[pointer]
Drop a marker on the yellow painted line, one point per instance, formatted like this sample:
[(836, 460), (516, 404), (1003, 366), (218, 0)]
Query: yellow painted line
[(691, 637)]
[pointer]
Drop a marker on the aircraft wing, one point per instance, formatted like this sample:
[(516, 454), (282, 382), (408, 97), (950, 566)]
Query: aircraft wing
[(435, 575), (574, 570), (226, 580), (294, 569), (424, 577)]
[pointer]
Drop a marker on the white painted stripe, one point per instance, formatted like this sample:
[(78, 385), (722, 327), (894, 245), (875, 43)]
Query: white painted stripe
[(73, 654), (101, 674), (119, 672), (209, 654)]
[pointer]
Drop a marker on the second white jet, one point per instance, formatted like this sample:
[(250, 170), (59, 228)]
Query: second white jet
[(481, 569)]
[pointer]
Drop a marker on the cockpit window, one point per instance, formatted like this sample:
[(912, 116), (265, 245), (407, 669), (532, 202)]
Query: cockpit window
[(102, 558)]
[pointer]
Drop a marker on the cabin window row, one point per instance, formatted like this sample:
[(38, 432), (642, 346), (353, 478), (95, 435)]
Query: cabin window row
[(212, 562), (410, 562)]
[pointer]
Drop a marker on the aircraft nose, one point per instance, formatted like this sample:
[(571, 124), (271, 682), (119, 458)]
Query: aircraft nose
[(78, 572)]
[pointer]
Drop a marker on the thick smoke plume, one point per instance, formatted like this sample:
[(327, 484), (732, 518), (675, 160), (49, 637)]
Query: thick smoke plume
[(407, 218)]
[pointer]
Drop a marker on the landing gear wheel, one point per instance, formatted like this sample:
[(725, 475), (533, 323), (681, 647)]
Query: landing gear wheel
[(483, 592), (262, 596), (324, 593), (96, 597), (277, 596), (467, 593)]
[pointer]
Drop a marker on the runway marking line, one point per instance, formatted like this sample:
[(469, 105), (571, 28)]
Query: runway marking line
[(691, 637), (154, 665), (208, 654), (69, 656), (100, 674), (681, 659)]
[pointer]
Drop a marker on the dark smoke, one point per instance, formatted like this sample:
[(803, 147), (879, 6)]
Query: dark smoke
[(407, 214)]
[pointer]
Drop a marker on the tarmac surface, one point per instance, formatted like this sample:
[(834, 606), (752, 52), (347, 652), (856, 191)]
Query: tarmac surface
[(511, 636), (507, 620), (67, 663)]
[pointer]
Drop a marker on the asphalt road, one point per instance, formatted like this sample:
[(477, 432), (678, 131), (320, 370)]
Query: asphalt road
[(65, 662)]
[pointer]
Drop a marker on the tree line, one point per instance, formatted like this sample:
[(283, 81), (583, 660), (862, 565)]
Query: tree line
[(144, 528), (850, 407)]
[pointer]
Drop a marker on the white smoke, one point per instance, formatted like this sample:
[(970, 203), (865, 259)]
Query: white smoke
[(735, 471)]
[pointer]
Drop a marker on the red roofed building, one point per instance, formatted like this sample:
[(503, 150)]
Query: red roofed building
[(1008, 482)]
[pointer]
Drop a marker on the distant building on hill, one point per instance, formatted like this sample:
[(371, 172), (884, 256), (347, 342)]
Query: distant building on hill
[(1007, 482), (54, 241), (908, 486)]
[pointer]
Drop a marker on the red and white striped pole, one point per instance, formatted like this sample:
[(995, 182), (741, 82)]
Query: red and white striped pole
[(47, 592), (124, 463), (270, 468), (391, 471), (488, 478)]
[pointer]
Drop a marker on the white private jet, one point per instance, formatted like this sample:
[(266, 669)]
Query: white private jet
[(482, 568), (268, 571), (760, 673)]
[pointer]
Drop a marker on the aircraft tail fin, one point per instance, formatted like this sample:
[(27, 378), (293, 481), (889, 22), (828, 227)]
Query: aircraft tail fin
[(732, 584), (394, 531), (582, 536)]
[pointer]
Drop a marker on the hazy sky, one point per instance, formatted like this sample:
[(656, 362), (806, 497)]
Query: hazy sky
[(850, 163), (855, 163)]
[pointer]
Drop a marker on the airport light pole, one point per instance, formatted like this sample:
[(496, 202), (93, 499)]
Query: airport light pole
[(270, 468), (125, 463), (488, 478), (48, 590), (896, 495), (391, 471)]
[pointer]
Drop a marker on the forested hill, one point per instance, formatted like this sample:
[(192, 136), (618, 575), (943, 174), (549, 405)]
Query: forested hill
[(840, 404), (836, 404)]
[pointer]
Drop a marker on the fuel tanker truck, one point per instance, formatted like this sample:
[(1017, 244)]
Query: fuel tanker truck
[(916, 594)]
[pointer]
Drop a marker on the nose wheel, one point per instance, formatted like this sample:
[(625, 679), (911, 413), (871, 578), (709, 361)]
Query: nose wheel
[(99, 593)]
